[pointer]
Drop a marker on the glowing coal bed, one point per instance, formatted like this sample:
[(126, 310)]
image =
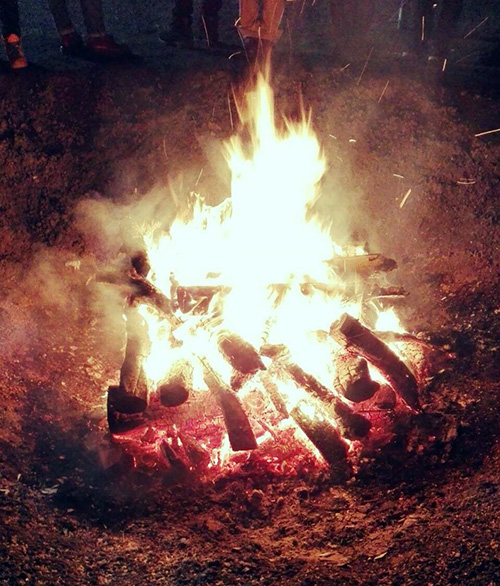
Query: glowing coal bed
[(253, 340)]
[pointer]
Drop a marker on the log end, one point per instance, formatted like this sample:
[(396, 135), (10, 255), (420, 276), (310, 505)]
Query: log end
[(173, 395)]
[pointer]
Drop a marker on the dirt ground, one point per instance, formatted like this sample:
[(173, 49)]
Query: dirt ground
[(111, 134)]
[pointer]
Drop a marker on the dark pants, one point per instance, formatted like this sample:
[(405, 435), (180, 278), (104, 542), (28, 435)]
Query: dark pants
[(91, 11), (429, 24), (9, 17), (182, 15)]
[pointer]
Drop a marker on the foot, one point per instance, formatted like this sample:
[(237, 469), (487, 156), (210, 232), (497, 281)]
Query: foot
[(15, 53), (72, 45), (178, 37), (105, 46)]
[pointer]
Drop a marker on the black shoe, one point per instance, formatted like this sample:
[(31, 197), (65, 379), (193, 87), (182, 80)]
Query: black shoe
[(105, 47), (72, 45), (178, 37)]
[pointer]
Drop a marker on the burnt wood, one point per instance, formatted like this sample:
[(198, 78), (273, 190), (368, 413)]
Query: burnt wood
[(241, 436), (356, 338), (175, 387), (242, 356), (352, 378), (325, 436)]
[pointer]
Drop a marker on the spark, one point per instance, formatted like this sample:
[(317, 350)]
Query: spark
[(365, 65), (422, 38), (407, 195), (345, 67), (444, 64), (234, 54), (331, 135), (399, 176), (466, 181), (165, 148), (352, 140), (476, 27), (206, 30), (230, 111), (199, 176), (488, 132), (464, 58), (383, 92)]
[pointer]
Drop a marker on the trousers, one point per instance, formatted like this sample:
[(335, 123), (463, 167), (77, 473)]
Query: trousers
[(261, 19), (91, 11), (9, 17)]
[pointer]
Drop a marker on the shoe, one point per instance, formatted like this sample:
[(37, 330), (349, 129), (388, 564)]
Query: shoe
[(72, 45), (15, 53), (105, 46), (181, 37)]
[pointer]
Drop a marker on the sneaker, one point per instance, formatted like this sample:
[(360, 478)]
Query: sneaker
[(72, 45), (105, 46), (15, 53)]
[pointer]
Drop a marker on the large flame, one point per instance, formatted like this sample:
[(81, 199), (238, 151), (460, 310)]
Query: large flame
[(258, 249)]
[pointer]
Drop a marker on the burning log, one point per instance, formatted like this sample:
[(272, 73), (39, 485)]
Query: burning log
[(353, 379), (132, 396), (354, 425), (120, 422), (351, 334), (141, 264), (174, 389), (241, 436), (240, 354), (309, 383), (142, 288), (325, 436), (362, 264)]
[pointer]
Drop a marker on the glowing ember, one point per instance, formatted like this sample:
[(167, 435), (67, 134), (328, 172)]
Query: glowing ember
[(247, 361)]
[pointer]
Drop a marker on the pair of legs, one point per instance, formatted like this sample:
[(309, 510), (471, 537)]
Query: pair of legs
[(11, 32), (432, 24), (9, 17), (91, 11), (181, 28), (98, 42), (259, 25)]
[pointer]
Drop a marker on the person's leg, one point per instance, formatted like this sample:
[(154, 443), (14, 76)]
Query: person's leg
[(249, 23), (9, 16), (93, 17), (447, 25), (61, 17), (180, 31), (210, 19), (272, 13)]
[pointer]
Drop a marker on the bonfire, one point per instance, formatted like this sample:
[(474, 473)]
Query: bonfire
[(251, 336)]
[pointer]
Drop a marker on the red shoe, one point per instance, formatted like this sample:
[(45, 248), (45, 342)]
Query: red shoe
[(105, 46), (15, 53)]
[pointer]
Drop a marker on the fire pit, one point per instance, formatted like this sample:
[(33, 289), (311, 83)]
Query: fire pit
[(251, 336)]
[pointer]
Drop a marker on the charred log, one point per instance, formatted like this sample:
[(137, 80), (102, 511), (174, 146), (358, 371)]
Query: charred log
[(353, 379), (362, 264), (132, 396), (141, 264), (309, 383), (174, 389), (241, 436), (120, 422), (239, 353), (353, 336), (354, 425), (325, 436)]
